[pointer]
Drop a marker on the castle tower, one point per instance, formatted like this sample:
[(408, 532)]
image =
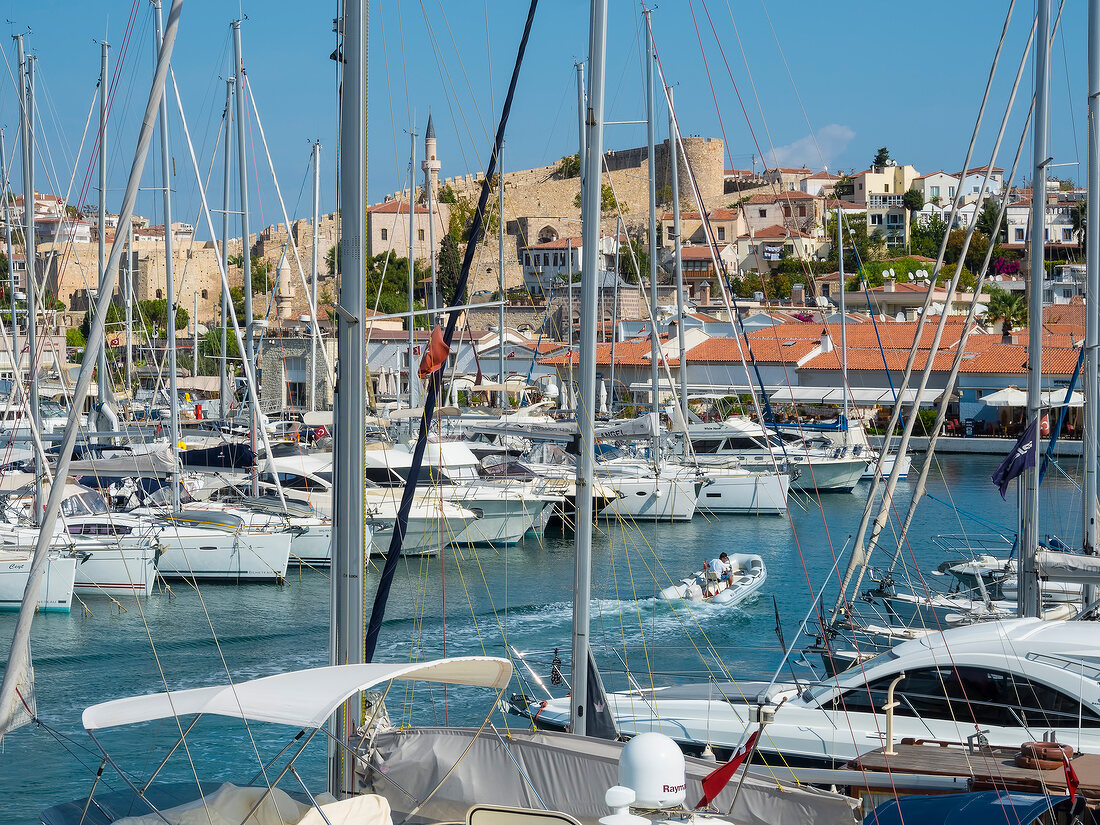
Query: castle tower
[(430, 164), (284, 295)]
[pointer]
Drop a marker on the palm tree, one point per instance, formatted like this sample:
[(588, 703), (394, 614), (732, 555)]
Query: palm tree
[(1080, 220), (1007, 307)]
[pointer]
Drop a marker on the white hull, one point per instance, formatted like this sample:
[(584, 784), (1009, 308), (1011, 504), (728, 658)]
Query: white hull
[(744, 491), (664, 498), (56, 591), (828, 475), (313, 546), (888, 467), (502, 522), (193, 553), (123, 569), (748, 577)]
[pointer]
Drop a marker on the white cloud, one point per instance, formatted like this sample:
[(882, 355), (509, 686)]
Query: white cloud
[(816, 150)]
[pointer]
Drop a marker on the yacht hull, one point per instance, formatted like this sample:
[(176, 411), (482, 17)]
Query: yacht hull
[(221, 556), (56, 591), (743, 491)]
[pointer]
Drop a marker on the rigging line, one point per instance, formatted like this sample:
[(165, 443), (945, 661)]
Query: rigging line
[(398, 174), (458, 56), (394, 551), (787, 67)]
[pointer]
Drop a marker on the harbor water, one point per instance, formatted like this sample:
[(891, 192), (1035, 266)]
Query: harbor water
[(470, 601)]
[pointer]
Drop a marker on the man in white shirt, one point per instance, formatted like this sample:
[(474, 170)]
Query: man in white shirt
[(721, 567)]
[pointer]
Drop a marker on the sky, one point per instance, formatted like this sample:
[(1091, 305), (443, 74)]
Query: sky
[(794, 81)]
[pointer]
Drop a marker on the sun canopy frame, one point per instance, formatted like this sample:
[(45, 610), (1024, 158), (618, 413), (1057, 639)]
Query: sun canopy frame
[(303, 698)]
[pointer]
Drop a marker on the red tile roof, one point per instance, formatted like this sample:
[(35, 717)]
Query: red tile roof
[(395, 206), (776, 231), (560, 243)]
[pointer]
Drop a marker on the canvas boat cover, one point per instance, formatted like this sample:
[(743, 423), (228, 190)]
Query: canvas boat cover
[(153, 464), (560, 771), (304, 698), (1068, 567)]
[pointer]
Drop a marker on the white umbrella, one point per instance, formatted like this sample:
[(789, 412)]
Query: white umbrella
[(1057, 398), (1008, 397), (603, 397)]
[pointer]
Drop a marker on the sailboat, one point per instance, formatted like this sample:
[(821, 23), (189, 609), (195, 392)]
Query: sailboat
[(456, 769)]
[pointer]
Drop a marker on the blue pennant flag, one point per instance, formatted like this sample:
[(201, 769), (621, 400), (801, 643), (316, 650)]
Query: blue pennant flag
[(1021, 457)]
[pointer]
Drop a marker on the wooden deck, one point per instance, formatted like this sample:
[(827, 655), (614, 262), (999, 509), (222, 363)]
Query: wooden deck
[(987, 768)]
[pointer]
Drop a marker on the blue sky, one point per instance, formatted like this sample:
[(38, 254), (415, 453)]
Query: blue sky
[(820, 84)]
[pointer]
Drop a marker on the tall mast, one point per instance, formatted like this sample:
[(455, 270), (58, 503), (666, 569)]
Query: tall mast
[(843, 323), (169, 280), (1092, 297), (412, 258), (246, 252), (11, 261), (674, 160), (128, 297), (101, 383), (26, 91), (590, 217), (500, 266), (434, 303), (223, 383), (651, 131), (313, 276), (349, 515), (569, 320), (582, 153), (1028, 594), (614, 318), (195, 338)]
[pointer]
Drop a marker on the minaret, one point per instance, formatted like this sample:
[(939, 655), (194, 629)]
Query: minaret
[(431, 164)]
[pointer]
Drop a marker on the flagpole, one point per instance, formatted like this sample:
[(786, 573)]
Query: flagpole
[(745, 767)]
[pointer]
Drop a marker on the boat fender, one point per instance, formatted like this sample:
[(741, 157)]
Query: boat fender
[(542, 707), (1042, 756)]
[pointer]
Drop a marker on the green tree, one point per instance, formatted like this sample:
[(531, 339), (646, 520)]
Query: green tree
[(913, 200), (856, 240), (987, 220), (448, 267), (925, 236), (74, 337), (665, 195), (633, 254), (462, 220), (1009, 308), (569, 167), (979, 245), (116, 317), (1079, 219), (331, 257), (447, 195), (261, 275), (608, 202), (882, 157)]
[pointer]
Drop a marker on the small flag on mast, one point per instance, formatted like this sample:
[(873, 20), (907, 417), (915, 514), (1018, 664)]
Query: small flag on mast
[(716, 780), (1021, 458)]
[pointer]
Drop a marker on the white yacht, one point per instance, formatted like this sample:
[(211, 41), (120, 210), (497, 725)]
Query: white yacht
[(1013, 681), (812, 468), (56, 591)]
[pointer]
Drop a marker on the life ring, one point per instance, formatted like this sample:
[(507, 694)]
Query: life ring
[(1042, 756)]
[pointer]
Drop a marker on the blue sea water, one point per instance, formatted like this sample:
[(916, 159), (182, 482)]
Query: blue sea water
[(468, 602)]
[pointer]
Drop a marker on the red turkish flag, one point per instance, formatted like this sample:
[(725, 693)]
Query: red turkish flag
[(716, 780), (435, 356)]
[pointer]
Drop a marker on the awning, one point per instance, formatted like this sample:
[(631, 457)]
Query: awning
[(1008, 397), (1068, 567), (858, 396), (303, 698)]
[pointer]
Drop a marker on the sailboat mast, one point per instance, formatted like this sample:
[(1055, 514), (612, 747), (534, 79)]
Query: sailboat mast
[(651, 127), (843, 321), (500, 266), (246, 251), (614, 319), (1092, 297), (674, 160), (590, 218), (313, 276), (101, 374), (11, 260), (227, 163), (349, 550), (169, 279), (26, 90), (1028, 592), (412, 258), (129, 298)]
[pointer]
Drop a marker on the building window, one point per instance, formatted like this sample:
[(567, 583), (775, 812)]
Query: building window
[(786, 211), (876, 220), (1019, 234), (974, 190), (1046, 235), (420, 234), (763, 213), (950, 191), (721, 233), (204, 294), (886, 187), (1067, 235), (385, 234), (933, 191), (802, 211), (296, 393), (158, 295)]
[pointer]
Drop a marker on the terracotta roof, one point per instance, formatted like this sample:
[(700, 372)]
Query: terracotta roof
[(700, 253), (725, 351), (789, 169), (824, 176), (893, 334), (791, 195), (633, 353), (776, 231), (833, 203), (395, 206), (978, 170)]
